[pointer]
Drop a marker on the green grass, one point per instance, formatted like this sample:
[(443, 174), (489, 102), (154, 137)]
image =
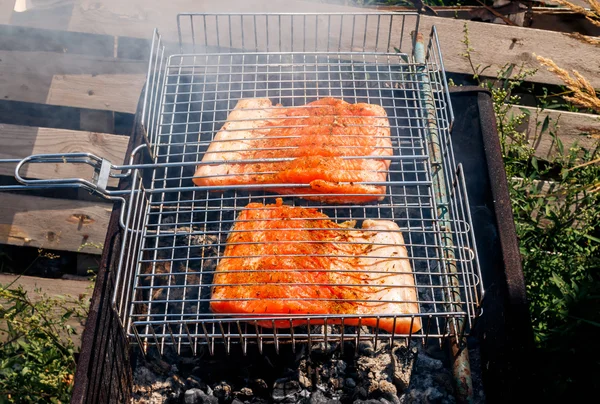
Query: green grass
[(558, 227), (37, 362), (558, 231)]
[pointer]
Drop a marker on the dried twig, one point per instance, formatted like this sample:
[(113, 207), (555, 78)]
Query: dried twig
[(497, 14), (583, 94), (592, 15), (584, 38)]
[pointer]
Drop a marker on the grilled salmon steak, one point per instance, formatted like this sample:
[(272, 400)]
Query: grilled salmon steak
[(282, 260), (334, 149)]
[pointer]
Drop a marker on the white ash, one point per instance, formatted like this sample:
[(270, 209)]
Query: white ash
[(152, 388), (390, 374)]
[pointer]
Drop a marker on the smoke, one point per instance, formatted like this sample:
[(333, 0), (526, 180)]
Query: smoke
[(49, 42)]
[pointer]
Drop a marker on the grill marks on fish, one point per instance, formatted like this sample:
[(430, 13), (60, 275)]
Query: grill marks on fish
[(289, 260), (330, 145)]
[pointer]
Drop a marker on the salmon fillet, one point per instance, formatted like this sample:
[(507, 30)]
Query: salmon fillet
[(314, 142), (289, 260)]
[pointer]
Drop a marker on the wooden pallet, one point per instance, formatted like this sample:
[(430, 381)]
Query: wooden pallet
[(62, 92), (79, 65)]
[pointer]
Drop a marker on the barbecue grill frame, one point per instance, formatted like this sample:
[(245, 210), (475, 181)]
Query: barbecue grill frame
[(504, 334), (443, 321)]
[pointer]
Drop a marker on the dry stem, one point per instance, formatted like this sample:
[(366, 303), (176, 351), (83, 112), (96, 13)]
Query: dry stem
[(592, 15), (583, 94), (584, 38)]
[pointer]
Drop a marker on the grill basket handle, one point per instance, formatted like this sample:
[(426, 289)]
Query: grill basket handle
[(99, 182)]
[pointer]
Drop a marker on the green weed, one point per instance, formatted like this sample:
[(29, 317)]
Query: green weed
[(37, 356), (556, 206)]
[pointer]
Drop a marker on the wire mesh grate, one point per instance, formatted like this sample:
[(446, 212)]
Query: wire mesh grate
[(178, 232)]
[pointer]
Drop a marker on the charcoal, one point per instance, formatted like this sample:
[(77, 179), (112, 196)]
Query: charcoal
[(403, 360), (258, 400), (392, 374), (223, 392), (428, 363), (366, 348), (431, 382), (430, 395), (318, 397), (160, 366), (305, 380), (245, 393), (336, 383), (194, 382), (376, 372), (259, 387), (445, 381), (307, 374), (361, 392), (341, 367), (288, 391), (177, 386), (331, 375), (144, 376), (197, 396), (434, 395), (322, 347)]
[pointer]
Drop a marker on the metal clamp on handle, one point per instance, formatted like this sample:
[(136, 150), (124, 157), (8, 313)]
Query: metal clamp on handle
[(102, 169), (101, 166)]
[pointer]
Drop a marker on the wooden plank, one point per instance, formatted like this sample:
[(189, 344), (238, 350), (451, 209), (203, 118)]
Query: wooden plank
[(53, 14), (138, 18), (56, 116), (497, 45), (113, 92), (62, 287), (494, 44), (34, 39), (6, 10), (51, 287), (23, 141), (571, 127), (580, 3), (24, 86), (58, 224), (27, 76)]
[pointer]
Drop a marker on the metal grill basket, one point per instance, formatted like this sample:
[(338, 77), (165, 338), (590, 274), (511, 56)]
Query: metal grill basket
[(175, 232)]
